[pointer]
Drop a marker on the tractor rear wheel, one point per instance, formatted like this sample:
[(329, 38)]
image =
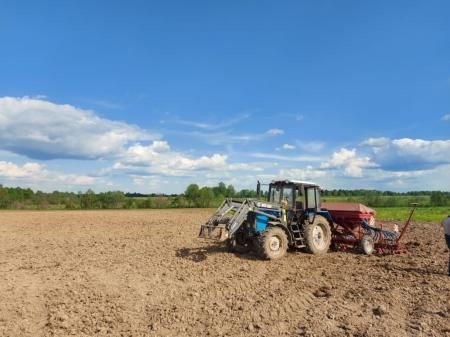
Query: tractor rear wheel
[(317, 235), (367, 245), (272, 243)]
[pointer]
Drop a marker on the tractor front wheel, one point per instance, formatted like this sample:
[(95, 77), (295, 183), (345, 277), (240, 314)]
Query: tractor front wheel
[(272, 243), (239, 244), (317, 235)]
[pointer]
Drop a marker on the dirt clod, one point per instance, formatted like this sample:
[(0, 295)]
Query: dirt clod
[(323, 292), (380, 310)]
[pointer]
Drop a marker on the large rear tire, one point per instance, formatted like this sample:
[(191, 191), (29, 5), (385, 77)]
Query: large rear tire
[(317, 235), (272, 243)]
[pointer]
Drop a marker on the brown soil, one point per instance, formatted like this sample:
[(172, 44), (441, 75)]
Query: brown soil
[(144, 273)]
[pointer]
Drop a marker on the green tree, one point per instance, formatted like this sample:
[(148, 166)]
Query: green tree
[(205, 197), (220, 190), (3, 193), (192, 194), (230, 191), (89, 200), (179, 202), (111, 200), (437, 199)]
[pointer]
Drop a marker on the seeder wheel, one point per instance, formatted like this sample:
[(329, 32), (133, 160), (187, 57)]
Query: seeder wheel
[(367, 245)]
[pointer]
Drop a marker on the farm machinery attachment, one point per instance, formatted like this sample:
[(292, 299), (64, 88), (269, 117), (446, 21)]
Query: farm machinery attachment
[(354, 227), (226, 220), (294, 217)]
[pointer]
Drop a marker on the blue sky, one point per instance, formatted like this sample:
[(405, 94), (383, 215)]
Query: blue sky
[(150, 96)]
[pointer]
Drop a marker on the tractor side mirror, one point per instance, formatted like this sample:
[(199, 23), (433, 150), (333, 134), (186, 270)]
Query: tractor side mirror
[(258, 190)]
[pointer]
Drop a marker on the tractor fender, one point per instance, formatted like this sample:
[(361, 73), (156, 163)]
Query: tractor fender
[(327, 216), (284, 228)]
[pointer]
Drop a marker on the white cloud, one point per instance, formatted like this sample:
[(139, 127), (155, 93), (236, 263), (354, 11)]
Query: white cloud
[(446, 117), (37, 173), (152, 182), (352, 164), (73, 179), (227, 138), (286, 158), (435, 150), (209, 126), (274, 132), (158, 158), (288, 147), (245, 167), (28, 170), (145, 154), (204, 162), (41, 129), (313, 146), (409, 154), (376, 142), (430, 179), (307, 173)]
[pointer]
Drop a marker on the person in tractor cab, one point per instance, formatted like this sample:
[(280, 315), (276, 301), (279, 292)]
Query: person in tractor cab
[(446, 224)]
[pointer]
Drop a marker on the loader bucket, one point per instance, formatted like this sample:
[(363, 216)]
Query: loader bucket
[(218, 225), (215, 232)]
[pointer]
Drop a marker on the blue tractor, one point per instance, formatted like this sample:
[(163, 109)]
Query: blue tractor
[(290, 217)]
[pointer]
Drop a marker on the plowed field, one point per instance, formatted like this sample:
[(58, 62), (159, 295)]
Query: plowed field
[(144, 273)]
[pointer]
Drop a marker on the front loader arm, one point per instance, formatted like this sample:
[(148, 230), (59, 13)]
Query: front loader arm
[(236, 211)]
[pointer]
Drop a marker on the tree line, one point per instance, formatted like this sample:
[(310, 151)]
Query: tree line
[(361, 192), (376, 198), (195, 196)]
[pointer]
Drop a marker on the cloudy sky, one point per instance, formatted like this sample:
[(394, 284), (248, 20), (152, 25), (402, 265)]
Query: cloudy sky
[(149, 96)]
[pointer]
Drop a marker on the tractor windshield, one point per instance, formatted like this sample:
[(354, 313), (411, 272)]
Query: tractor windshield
[(275, 194), (312, 198), (288, 195)]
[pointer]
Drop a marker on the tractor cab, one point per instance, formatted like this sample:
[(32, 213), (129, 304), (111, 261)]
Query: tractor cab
[(293, 195)]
